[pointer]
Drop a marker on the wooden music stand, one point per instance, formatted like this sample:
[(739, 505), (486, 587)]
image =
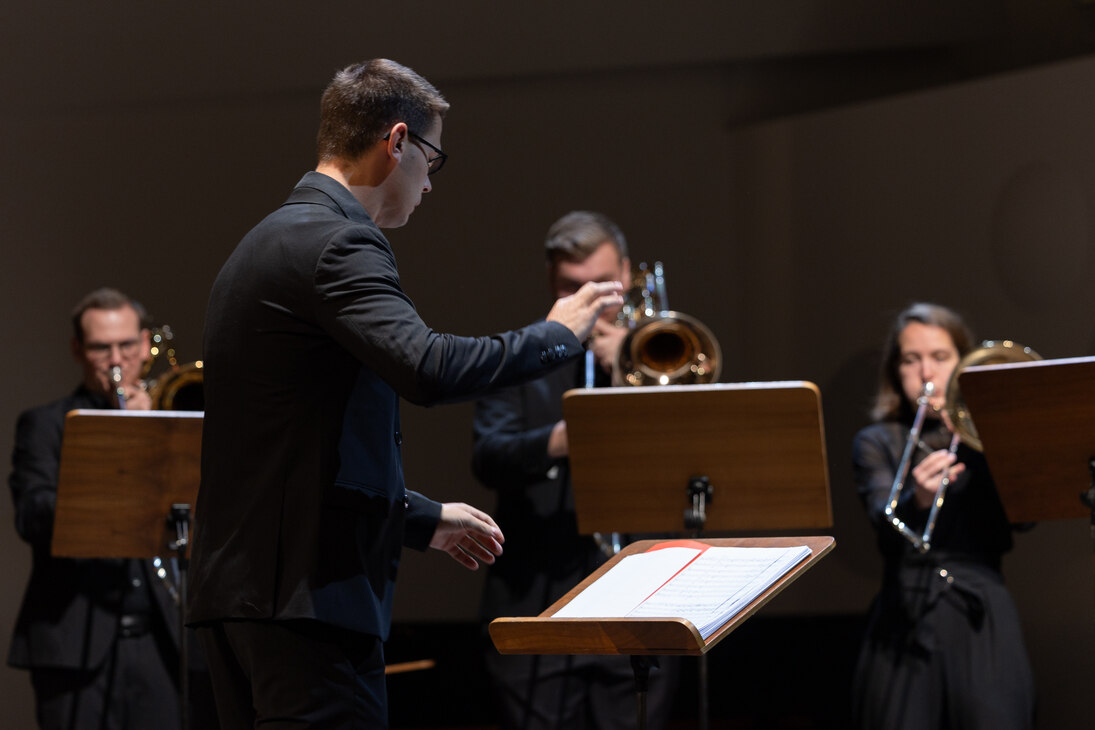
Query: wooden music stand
[(1036, 421), (127, 484), (546, 635), (635, 451), (641, 637), (747, 456)]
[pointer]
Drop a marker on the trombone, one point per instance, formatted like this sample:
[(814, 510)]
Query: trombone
[(920, 542), (663, 347), (991, 352)]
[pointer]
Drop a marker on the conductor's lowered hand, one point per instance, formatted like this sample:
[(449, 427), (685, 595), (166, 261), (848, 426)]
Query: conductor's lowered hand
[(469, 535)]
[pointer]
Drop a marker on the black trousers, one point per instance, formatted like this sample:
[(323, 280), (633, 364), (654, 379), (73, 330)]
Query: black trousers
[(294, 674), (555, 692), (134, 689)]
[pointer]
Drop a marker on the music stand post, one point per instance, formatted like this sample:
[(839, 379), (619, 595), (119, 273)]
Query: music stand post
[(125, 489), (639, 457), (1088, 498), (179, 518), (700, 494)]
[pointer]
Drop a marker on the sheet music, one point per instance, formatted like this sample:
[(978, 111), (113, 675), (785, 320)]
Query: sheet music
[(705, 587), (620, 591)]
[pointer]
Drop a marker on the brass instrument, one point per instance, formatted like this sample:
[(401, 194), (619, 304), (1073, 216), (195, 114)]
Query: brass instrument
[(179, 387), (991, 352), (954, 408), (664, 347), (923, 403)]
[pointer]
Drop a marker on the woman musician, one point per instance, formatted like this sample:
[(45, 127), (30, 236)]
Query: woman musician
[(943, 647)]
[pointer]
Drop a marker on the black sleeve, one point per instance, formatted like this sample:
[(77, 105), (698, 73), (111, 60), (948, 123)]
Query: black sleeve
[(363, 307), (875, 457), (33, 481), (423, 514), (509, 452)]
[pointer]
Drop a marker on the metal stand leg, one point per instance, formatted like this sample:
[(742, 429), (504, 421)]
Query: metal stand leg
[(641, 666), (179, 518), (1088, 498)]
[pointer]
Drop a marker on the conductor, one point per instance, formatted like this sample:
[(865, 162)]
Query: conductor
[(310, 342)]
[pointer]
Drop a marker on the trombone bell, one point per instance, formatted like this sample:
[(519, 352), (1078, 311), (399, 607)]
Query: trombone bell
[(991, 352), (663, 347), (670, 348)]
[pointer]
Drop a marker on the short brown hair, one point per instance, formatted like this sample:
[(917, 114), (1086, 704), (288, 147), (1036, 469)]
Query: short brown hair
[(890, 402), (104, 298), (365, 99), (576, 235)]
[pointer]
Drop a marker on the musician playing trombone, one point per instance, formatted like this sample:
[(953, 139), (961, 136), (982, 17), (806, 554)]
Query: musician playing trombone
[(100, 637), (943, 647), (521, 450)]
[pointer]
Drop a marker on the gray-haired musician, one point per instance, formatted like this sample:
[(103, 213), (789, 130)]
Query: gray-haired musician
[(944, 647), (98, 636)]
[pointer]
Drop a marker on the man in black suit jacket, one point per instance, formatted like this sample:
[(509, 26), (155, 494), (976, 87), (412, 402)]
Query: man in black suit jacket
[(99, 637), (521, 452), (310, 342)]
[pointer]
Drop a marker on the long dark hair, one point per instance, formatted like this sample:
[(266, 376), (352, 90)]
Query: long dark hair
[(891, 404)]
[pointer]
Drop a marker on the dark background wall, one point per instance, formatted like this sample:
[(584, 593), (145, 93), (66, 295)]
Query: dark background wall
[(803, 169)]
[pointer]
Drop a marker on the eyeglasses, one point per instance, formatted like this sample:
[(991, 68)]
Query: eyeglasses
[(437, 161), (434, 163), (101, 351)]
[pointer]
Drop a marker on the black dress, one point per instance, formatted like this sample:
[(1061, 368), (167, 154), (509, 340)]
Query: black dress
[(944, 646)]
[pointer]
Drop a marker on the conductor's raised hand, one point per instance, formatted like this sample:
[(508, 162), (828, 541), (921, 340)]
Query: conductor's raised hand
[(469, 535), (580, 310)]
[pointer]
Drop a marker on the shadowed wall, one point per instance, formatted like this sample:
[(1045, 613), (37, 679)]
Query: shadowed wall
[(795, 238)]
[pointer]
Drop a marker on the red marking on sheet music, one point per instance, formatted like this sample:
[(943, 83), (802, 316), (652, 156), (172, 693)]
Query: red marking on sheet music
[(688, 544)]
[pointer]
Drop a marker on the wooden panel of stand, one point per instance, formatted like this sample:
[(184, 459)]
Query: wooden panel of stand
[(120, 473), (639, 636), (760, 444), (1037, 423)]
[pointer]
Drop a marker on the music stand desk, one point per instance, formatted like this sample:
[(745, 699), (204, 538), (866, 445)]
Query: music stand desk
[(640, 636), (120, 474), (633, 452), (1036, 421)]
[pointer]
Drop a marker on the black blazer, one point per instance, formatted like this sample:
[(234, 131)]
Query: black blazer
[(309, 343), (69, 615)]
